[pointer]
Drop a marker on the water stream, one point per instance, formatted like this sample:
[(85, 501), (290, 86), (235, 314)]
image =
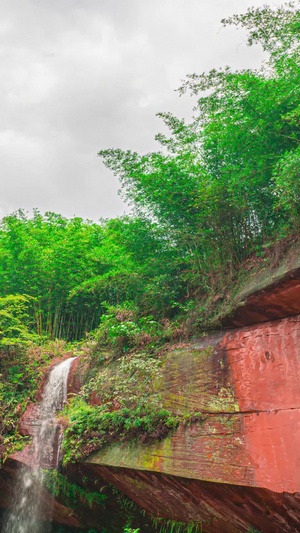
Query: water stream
[(27, 506)]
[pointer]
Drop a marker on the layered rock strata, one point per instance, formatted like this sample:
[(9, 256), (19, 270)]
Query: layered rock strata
[(235, 465)]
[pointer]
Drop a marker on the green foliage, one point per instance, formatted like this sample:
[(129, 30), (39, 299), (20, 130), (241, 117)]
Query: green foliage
[(128, 382), (47, 257), (73, 495), (277, 31), (72, 270), (121, 328), (212, 187), (21, 373), (18, 372), (287, 176), (14, 332), (144, 268), (162, 525), (91, 428)]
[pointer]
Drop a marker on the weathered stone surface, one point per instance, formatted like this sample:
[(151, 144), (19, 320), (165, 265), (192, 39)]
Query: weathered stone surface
[(213, 450), (280, 299), (28, 421), (220, 507), (265, 362), (197, 377), (248, 386), (240, 465)]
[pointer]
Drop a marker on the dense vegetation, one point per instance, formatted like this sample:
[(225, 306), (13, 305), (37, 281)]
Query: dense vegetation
[(72, 270), (228, 182), (221, 188)]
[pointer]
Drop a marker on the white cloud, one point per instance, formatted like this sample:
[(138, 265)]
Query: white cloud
[(81, 75)]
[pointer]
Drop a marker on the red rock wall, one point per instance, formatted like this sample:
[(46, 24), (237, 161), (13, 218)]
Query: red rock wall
[(280, 299), (241, 465), (221, 508), (265, 363)]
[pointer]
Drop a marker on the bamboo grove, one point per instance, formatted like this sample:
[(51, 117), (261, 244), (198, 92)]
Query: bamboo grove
[(218, 190)]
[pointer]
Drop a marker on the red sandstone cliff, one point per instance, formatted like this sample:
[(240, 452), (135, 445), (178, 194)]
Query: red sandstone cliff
[(239, 466)]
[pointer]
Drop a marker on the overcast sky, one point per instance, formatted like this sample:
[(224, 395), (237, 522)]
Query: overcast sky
[(78, 76)]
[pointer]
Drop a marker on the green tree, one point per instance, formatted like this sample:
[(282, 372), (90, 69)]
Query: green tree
[(225, 183), (46, 257), (14, 332)]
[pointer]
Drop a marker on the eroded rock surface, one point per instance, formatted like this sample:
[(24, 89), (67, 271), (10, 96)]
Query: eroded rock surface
[(245, 382), (226, 508), (236, 465), (280, 299)]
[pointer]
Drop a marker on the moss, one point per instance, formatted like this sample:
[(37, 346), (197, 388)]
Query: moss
[(135, 514), (171, 526), (225, 401), (92, 428), (275, 260), (60, 487)]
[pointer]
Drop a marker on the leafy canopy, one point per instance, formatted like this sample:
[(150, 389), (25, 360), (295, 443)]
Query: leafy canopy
[(227, 181)]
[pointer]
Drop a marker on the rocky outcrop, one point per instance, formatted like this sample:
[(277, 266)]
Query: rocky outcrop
[(278, 300), (246, 386), (219, 507), (235, 464), (237, 467)]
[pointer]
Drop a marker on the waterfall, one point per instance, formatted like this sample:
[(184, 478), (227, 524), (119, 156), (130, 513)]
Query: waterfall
[(27, 506)]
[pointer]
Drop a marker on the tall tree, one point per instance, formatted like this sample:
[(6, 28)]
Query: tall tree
[(219, 186)]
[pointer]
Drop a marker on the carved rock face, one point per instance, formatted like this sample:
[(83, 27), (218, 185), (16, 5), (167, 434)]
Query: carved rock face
[(279, 299), (225, 508), (246, 382), (240, 465), (265, 364), (247, 387)]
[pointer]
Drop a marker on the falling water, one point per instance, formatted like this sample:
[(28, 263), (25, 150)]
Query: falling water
[(27, 506)]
